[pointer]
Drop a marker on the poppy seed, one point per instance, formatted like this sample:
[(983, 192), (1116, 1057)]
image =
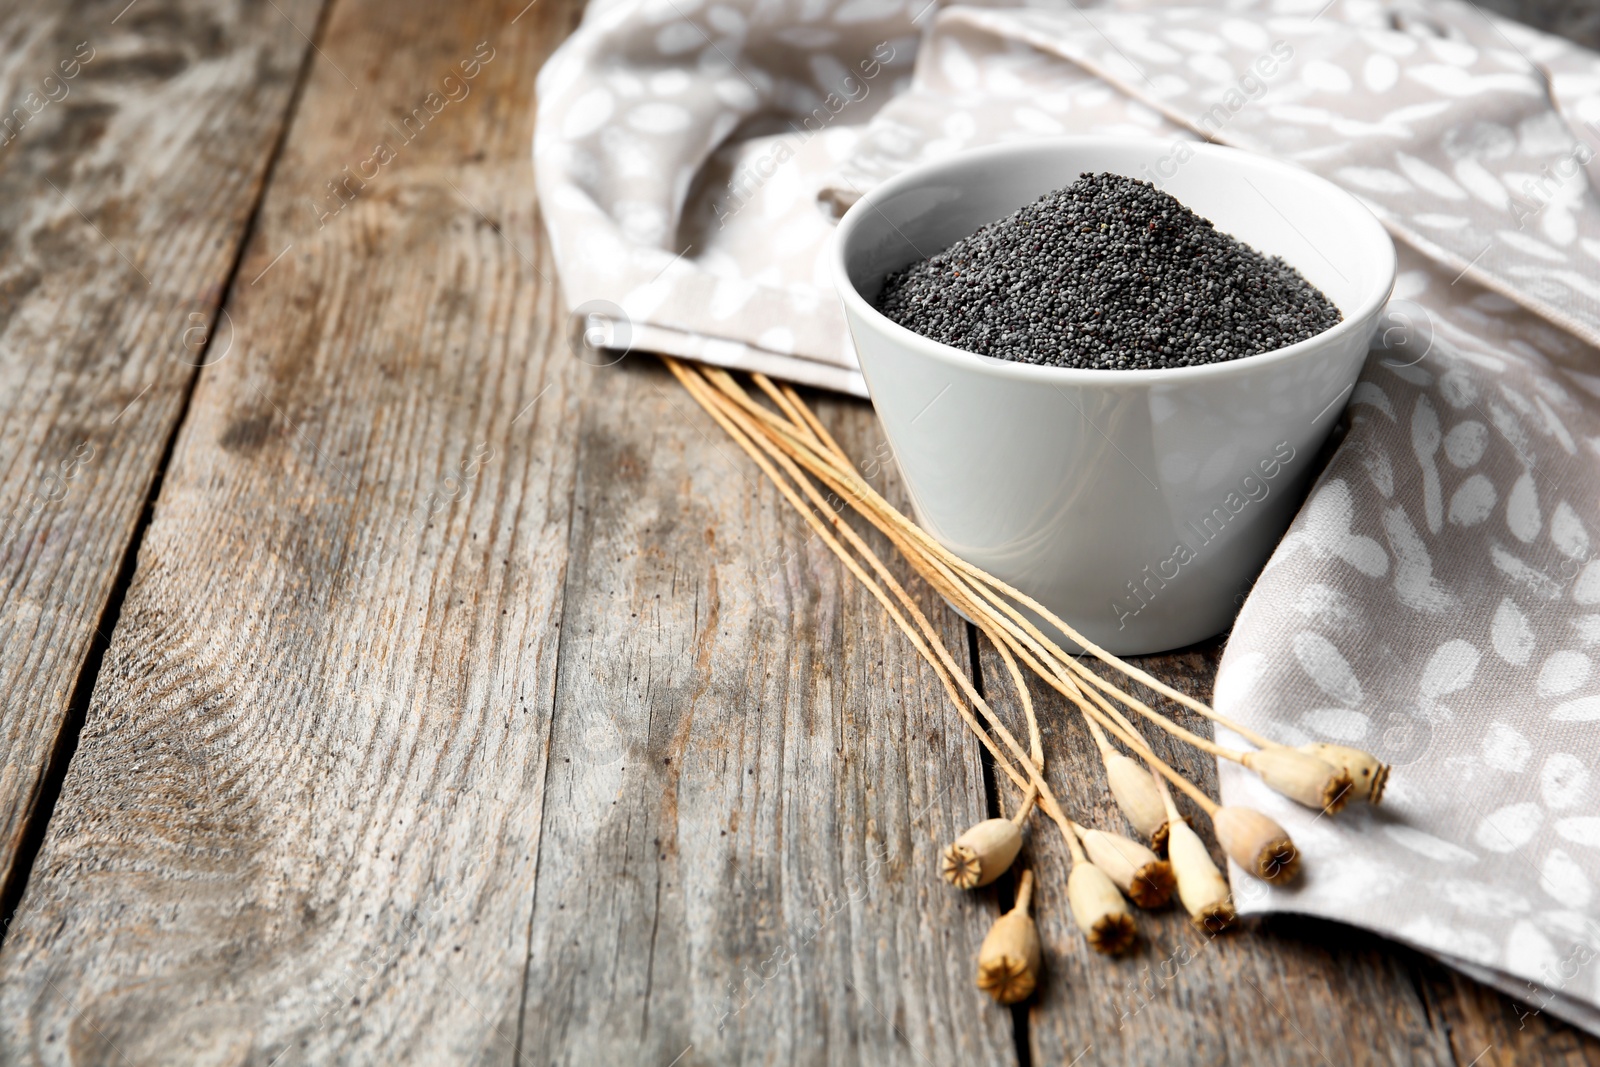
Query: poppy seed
[(1109, 273)]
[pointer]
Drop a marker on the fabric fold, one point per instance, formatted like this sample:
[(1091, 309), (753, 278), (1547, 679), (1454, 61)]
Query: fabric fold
[(1437, 599)]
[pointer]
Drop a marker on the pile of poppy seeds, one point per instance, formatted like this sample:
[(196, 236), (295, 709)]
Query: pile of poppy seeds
[(1109, 273)]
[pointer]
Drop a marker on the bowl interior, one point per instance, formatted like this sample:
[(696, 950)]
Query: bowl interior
[(1319, 229)]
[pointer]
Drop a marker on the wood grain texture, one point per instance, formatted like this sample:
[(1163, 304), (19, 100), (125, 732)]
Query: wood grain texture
[(1490, 1029), (1579, 23), (470, 704), (1283, 989), (1182, 996), (752, 773), (302, 822), (131, 155)]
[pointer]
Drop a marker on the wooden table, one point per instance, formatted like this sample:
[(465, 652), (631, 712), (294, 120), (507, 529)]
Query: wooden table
[(383, 684)]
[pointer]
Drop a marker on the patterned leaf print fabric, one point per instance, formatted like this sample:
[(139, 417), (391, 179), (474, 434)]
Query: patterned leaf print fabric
[(1437, 600)]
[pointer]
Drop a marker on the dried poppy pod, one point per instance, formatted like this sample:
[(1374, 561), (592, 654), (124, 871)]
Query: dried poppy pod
[(1134, 788), (1257, 843), (1138, 872), (1201, 887), (1099, 910), (1367, 775), (982, 854), (1302, 777), (1008, 961)]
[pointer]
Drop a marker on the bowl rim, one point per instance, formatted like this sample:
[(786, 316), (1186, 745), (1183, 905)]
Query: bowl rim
[(960, 357)]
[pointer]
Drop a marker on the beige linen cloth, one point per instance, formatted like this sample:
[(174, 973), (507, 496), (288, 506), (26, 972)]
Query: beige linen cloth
[(1437, 600)]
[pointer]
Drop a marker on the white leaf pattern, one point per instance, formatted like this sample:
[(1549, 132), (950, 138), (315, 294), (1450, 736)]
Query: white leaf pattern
[(1563, 672), (1327, 532), (1465, 442), (1436, 129), (1583, 830), (1567, 532), (1328, 669), (1414, 582), (1473, 501), (1450, 669), (1505, 748), (1564, 781), (1509, 828), (1436, 849), (1512, 636), (1522, 509), (1425, 441), (1564, 879)]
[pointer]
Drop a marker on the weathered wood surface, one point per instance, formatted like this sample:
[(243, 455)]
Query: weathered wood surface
[(132, 152), (471, 704), (302, 822), (1280, 990), (1579, 23), (1182, 996), (744, 872), (1492, 1029)]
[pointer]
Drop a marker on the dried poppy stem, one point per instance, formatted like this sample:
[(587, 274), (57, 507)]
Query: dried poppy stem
[(1302, 777), (1129, 737), (845, 482), (1008, 961), (1144, 878), (1368, 776), (1002, 636), (739, 426), (1201, 886), (801, 417), (1257, 843), (1097, 904), (696, 390), (860, 490), (1035, 741), (954, 587), (1028, 799), (987, 850), (1283, 769)]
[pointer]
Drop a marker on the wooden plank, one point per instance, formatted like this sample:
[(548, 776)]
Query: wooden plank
[(752, 773), (1282, 991), (132, 153), (1489, 1029), (1579, 23), (302, 822), (306, 818)]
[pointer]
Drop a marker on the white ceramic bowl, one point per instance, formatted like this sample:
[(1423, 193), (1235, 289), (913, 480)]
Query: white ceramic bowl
[(1137, 505)]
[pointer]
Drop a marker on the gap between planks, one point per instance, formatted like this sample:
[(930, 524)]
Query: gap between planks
[(40, 806), (43, 807)]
